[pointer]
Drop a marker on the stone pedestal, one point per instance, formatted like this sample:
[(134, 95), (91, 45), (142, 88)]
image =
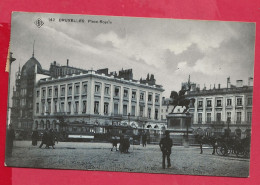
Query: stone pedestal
[(179, 125)]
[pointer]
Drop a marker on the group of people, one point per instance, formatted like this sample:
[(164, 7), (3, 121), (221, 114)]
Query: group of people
[(165, 146), (48, 138), (123, 141)]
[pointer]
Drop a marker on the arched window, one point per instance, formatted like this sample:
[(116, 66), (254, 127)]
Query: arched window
[(48, 124), (42, 124)]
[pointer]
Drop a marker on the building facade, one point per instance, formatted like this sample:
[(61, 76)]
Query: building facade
[(22, 99), (94, 98), (218, 109)]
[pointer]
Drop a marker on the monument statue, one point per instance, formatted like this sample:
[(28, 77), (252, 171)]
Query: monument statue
[(179, 99)]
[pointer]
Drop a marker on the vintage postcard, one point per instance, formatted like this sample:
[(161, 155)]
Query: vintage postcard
[(130, 94)]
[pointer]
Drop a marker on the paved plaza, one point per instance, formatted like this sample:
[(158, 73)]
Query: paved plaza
[(98, 156)]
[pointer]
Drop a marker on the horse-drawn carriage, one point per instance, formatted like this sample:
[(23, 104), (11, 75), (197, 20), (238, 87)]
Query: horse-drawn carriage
[(225, 145), (233, 145)]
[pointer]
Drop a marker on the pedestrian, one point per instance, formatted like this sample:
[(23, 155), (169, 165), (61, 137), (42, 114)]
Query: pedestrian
[(50, 139), (114, 142), (166, 148), (56, 136), (35, 137), (124, 144), (10, 136), (44, 138), (144, 139)]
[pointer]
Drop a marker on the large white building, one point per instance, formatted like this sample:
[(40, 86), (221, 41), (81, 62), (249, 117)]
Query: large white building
[(95, 98)]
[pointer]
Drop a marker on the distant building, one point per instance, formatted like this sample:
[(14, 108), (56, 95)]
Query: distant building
[(218, 109), (22, 99), (58, 70)]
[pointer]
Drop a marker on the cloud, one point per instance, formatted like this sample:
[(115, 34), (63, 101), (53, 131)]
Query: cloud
[(69, 42), (110, 37), (170, 49)]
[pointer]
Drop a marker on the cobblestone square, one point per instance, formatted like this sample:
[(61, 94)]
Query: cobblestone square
[(98, 156)]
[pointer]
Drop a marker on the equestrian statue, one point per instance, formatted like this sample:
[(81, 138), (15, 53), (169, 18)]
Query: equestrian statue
[(179, 99)]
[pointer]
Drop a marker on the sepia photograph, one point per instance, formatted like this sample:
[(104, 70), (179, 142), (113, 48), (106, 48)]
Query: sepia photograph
[(130, 94)]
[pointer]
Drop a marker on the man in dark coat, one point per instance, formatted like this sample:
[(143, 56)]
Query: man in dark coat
[(124, 144), (34, 137), (44, 138), (166, 148), (114, 142), (50, 139), (10, 136), (144, 139)]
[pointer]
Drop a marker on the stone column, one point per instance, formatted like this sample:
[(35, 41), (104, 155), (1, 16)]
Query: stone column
[(80, 98), (121, 95), (102, 89), (111, 103), (137, 110), (153, 107), (145, 104), (129, 101), (52, 103), (65, 99)]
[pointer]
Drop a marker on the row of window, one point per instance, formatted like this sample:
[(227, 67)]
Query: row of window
[(23, 92), (219, 118), (65, 71), (239, 102), (97, 91), (46, 108)]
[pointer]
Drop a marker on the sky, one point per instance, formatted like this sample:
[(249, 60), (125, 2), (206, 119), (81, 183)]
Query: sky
[(171, 49)]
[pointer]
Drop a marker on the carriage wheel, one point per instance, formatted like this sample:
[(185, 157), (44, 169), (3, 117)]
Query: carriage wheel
[(222, 150), (219, 150), (239, 152)]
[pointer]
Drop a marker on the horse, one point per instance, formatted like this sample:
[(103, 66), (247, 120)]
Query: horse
[(180, 100), (209, 140)]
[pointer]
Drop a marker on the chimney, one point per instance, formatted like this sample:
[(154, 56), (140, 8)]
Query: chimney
[(228, 82), (67, 62), (54, 63), (250, 81), (239, 83), (193, 87), (218, 86), (198, 87)]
